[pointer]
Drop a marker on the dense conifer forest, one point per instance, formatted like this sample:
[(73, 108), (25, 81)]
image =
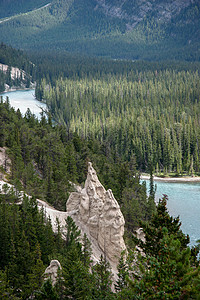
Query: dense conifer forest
[(142, 110), (44, 160), (46, 157), (124, 117)]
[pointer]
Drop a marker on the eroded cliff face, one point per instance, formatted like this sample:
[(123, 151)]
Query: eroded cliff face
[(5, 163), (100, 215)]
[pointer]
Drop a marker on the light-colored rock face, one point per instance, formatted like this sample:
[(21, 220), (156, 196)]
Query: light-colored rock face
[(14, 72), (5, 162), (140, 234), (52, 271), (101, 215)]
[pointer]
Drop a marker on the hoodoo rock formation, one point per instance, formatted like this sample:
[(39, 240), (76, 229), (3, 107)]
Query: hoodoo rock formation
[(99, 213), (51, 271), (96, 212)]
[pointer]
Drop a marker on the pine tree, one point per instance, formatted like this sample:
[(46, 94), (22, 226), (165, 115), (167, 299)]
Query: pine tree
[(36, 272), (6, 292), (47, 292), (123, 273), (72, 236), (168, 275), (153, 230), (86, 251), (5, 234), (102, 280), (58, 237), (77, 278), (152, 188)]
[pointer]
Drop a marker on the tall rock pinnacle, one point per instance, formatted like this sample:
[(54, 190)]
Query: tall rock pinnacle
[(99, 212)]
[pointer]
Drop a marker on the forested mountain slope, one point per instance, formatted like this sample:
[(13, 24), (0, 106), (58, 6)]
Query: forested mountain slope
[(140, 29), (13, 7)]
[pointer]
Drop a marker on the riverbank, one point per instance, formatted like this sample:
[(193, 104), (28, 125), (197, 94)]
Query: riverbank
[(23, 99), (20, 88), (172, 179)]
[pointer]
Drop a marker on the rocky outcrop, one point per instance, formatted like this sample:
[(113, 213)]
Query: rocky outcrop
[(140, 234), (51, 271), (134, 12), (5, 162), (99, 213), (14, 72)]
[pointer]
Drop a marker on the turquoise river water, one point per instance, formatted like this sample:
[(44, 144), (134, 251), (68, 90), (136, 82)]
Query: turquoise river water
[(24, 99), (184, 201)]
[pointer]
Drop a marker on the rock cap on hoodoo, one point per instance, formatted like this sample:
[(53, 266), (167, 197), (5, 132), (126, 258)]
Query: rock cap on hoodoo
[(52, 271)]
